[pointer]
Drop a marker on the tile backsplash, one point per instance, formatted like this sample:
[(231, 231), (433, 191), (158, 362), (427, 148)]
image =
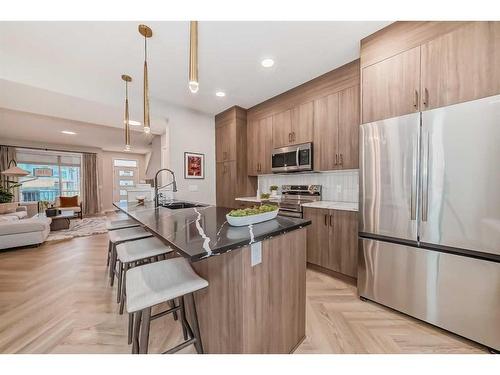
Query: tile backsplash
[(339, 186)]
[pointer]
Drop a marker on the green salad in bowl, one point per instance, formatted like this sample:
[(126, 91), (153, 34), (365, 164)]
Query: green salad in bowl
[(255, 210)]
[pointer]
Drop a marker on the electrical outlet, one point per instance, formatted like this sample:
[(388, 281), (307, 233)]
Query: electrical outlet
[(193, 187)]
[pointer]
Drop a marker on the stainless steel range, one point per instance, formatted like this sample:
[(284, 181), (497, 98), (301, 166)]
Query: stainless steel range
[(293, 196)]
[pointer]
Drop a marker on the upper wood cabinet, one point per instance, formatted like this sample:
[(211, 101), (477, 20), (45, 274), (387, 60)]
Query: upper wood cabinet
[(303, 123), (225, 142), (336, 124), (348, 144), (332, 239), (391, 88), (326, 125), (282, 129), (293, 126), (461, 65), (438, 64), (260, 146)]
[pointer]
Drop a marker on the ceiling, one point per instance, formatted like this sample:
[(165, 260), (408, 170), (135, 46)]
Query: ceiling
[(86, 59)]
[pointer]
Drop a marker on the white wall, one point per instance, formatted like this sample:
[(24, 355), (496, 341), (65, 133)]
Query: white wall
[(189, 131)]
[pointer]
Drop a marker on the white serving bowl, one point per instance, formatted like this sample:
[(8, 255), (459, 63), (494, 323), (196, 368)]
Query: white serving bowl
[(252, 219)]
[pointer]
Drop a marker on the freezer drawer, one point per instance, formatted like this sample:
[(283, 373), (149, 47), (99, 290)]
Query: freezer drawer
[(457, 293), (388, 177), (460, 176)]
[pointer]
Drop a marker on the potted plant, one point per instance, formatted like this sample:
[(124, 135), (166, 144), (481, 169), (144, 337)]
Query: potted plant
[(6, 204), (274, 190)]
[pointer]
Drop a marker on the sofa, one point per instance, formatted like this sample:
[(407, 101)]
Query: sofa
[(77, 209), (16, 230)]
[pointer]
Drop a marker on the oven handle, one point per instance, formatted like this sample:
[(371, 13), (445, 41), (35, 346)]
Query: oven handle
[(297, 157)]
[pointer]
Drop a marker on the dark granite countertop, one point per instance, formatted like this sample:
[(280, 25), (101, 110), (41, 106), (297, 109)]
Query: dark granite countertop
[(200, 232)]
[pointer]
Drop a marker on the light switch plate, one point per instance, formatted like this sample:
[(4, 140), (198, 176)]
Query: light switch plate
[(256, 250)]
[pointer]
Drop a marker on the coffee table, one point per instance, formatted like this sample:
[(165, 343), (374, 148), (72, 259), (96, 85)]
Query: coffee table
[(62, 220)]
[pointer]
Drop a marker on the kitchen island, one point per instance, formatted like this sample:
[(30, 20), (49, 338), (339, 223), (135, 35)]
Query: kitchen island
[(255, 301)]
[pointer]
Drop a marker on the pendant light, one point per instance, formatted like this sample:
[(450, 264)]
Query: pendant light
[(127, 79), (146, 32), (193, 57)]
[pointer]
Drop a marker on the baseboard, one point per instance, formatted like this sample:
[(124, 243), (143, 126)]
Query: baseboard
[(348, 279)]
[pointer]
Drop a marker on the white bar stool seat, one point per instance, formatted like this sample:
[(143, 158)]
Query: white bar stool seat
[(118, 236), (121, 224), (159, 282), (133, 253)]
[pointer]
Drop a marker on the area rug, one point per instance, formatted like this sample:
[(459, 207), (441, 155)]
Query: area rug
[(80, 228)]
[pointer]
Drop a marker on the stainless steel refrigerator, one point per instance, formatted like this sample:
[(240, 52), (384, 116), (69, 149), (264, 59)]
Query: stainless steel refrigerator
[(430, 217)]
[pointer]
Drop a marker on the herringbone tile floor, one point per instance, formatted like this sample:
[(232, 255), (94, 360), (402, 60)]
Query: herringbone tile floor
[(56, 299)]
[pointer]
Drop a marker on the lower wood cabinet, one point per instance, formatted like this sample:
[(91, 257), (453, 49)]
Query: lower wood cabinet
[(332, 239)]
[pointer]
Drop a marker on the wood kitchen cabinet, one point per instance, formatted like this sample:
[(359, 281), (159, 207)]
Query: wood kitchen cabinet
[(260, 146), (226, 183), (293, 126), (232, 179), (438, 64), (332, 240), (461, 65), (336, 124), (391, 87), (225, 138)]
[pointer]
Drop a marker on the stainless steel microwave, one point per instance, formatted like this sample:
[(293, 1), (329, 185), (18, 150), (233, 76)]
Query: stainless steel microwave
[(294, 158)]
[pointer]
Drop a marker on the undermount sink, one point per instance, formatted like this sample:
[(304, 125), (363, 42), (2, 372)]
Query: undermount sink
[(179, 205)]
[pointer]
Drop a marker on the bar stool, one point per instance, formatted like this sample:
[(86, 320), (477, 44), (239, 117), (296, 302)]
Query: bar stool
[(118, 224), (133, 253), (118, 236), (159, 282)]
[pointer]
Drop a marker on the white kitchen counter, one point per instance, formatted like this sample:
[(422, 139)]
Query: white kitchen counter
[(330, 205), (258, 200)]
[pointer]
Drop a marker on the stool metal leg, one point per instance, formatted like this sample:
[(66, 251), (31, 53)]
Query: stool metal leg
[(137, 325), (120, 278), (130, 328), (196, 328), (126, 266), (144, 332), (109, 253), (172, 305), (112, 265), (184, 322)]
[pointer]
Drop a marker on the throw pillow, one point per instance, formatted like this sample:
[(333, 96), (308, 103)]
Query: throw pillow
[(69, 201)]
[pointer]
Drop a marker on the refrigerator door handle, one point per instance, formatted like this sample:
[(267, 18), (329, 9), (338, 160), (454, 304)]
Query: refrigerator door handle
[(425, 176), (413, 198)]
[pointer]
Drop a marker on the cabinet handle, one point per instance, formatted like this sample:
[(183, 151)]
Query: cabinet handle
[(225, 155), (326, 224), (341, 159), (426, 97), (415, 101), (289, 137), (331, 221), (336, 159), (293, 136)]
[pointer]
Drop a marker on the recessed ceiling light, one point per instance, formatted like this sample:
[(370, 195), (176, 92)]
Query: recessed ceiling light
[(267, 63), (133, 123), (68, 132), (220, 94)]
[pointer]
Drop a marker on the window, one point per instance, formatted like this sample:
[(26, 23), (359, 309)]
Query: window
[(126, 173), (125, 163), (126, 183), (58, 174), (123, 192)]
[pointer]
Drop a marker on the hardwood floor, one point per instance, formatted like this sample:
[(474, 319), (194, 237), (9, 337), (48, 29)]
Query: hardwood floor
[(56, 299)]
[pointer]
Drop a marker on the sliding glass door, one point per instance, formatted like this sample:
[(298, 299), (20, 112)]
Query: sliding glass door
[(57, 174)]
